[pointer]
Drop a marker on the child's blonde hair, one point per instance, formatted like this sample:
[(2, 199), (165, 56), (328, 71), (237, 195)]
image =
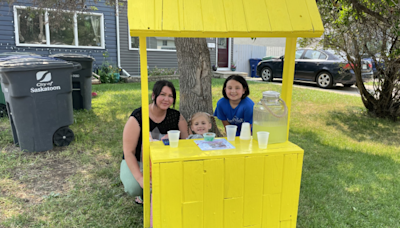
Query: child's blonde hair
[(197, 115)]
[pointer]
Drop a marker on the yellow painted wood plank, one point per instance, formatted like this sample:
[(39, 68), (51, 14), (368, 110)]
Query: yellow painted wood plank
[(314, 15), (181, 10), (188, 150), (171, 194), (156, 195), (151, 16), (273, 172), (213, 15), (158, 15), (193, 15), (288, 76), (193, 181), (193, 214), (234, 16), (289, 187), (137, 14), (278, 9), (199, 34), (257, 17), (271, 210), (253, 190), (233, 213), (145, 135), (213, 193), (224, 18), (171, 15), (286, 224), (299, 15), (253, 226), (299, 167), (234, 177)]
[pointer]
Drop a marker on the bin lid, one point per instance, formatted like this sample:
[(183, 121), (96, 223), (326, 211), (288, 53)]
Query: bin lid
[(31, 62), (72, 57), (6, 54)]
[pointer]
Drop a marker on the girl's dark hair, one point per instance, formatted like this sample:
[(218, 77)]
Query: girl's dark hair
[(158, 87), (239, 79)]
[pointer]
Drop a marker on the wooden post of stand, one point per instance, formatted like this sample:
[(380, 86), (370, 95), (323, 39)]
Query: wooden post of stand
[(145, 134), (288, 75)]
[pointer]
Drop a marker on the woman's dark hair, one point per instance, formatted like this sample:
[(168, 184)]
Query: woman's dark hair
[(158, 87), (239, 79)]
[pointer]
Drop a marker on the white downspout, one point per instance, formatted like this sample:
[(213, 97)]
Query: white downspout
[(118, 45)]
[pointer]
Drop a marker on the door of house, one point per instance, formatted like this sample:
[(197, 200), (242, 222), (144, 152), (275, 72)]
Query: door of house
[(223, 52)]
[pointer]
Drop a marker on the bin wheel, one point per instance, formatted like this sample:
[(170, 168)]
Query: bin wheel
[(3, 110), (63, 136)]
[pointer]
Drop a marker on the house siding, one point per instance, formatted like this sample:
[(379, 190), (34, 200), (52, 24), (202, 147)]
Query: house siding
[(7, 35), (130, 60)]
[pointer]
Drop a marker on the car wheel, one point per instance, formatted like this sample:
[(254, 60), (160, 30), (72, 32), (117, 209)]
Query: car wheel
[(347, 85), (266, 74), (324, 80)]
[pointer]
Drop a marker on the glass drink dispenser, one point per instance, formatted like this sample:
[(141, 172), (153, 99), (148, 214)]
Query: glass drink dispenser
[(271, 114)]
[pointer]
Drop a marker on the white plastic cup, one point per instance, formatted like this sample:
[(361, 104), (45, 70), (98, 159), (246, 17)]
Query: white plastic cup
[(231, 132), (173, 137), (262, 137), (245, 131)]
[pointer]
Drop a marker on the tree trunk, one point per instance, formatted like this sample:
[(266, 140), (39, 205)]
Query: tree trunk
[(195, 77)]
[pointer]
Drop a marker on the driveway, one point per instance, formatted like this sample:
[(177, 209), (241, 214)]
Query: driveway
[(353, 90)]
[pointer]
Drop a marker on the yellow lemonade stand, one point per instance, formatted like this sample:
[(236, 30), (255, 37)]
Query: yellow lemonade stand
[(241, 187)]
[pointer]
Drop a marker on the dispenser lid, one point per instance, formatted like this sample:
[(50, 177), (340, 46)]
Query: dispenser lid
[(271, 94)]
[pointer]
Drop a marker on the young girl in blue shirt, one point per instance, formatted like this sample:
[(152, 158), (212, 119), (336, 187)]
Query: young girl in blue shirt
[(235, 107)]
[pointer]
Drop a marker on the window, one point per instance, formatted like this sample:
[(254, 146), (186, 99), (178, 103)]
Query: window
[(311, 54), (154, 43), (37, 27), (299, 53), (322, 56), (222, 43)]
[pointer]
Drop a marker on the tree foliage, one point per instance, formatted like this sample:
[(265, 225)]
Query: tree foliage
[(361, 28)]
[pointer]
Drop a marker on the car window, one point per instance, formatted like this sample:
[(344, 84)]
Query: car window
[(311, 54), (322, 56), (299, 53)]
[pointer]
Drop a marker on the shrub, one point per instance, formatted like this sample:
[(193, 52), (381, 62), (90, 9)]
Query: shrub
[(108, 73), (163, 71)]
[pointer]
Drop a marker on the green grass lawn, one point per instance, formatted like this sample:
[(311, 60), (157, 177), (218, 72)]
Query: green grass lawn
[(350, 171)]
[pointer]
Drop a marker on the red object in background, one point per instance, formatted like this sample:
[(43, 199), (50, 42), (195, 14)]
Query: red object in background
[(94, 94), (348, 67)]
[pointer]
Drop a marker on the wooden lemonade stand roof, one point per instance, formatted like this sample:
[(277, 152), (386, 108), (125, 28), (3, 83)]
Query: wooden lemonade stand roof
[(219, 18)]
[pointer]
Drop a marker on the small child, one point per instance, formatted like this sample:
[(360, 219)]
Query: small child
[(199, 124)]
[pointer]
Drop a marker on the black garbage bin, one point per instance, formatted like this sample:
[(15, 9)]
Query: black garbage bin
[(38, 97), (3, 107), (81, 79)]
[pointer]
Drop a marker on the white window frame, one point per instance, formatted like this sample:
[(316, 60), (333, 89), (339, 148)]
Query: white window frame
[(47, 27), (148, 49)]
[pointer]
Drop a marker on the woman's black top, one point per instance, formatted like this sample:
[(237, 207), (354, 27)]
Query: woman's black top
[(169, 123)]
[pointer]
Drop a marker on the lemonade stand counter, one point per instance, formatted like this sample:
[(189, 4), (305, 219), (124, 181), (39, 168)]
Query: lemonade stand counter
[(241, 187)]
